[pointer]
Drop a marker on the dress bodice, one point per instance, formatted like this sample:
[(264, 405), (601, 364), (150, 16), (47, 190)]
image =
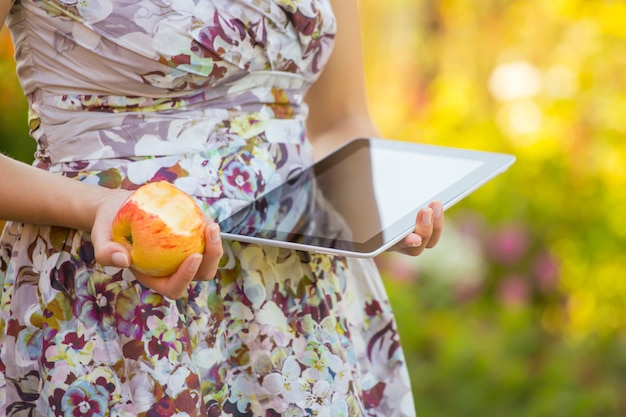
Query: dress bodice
[(171, 68)]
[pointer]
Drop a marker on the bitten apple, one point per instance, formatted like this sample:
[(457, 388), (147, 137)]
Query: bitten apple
[(161, 226)]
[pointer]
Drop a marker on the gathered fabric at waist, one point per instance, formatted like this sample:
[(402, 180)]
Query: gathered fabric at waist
[(86, 127), (100, 136), (221, 180)]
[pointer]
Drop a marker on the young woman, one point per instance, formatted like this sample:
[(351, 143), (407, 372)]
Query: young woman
[(224, 99)]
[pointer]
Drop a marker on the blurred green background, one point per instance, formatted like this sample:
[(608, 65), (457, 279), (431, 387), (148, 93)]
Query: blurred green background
[(521, 308)]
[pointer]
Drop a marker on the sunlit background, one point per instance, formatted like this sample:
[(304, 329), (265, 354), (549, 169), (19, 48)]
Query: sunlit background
[(521, 309)]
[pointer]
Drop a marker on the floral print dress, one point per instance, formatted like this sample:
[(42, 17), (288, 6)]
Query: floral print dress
[(206, 94)]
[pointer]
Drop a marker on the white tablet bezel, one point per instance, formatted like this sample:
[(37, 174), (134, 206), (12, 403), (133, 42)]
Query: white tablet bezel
[(492, 164)]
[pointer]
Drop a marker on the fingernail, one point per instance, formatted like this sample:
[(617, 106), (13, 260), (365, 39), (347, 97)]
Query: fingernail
[(417, 243), (195, 263), (120, 260), (215, 233), (438, 210), (427, 217)]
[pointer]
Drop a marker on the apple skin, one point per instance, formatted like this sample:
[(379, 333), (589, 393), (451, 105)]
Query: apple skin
[(161, 226)]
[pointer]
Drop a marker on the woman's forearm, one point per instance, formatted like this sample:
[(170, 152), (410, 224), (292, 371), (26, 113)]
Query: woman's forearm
[(32, 195), (338, 100), (5, 6), (328, 140)]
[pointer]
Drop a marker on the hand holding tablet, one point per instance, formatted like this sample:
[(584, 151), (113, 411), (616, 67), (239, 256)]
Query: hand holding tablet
[(363, 198)]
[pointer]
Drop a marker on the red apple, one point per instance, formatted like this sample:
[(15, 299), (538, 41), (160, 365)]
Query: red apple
[(161, 226)]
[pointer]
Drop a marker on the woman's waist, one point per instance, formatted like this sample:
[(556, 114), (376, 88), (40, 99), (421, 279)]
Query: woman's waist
[(219, 179), (94, 136)]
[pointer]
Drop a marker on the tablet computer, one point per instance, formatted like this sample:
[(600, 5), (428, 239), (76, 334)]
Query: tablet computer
[(363, 198)]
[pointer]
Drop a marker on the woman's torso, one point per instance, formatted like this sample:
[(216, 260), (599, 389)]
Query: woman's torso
[(206, 94)]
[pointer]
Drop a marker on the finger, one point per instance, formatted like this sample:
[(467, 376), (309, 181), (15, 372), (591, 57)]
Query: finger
[(411, 245), (212, 254), (423, 228), (175, 286), (438, 221), (415, 242), (412, 240), (106, 251)]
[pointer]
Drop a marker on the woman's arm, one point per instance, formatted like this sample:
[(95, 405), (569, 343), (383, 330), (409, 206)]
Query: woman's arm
[(337, 100), (31, 195), (339, 112), (5, 7)]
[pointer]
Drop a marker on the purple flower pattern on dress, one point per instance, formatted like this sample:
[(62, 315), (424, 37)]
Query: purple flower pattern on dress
[(85, 400)]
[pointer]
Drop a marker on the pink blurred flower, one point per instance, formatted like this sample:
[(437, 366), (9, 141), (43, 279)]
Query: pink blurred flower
[(513, 290), (468, 290), (471, 224), (546, 270), (508, 244)]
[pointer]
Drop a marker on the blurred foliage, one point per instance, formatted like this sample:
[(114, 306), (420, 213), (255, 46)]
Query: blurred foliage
[(520, 310), (14, 139)]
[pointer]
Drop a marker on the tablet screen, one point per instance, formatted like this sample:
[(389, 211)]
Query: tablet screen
[(393, 182), (364, 197)]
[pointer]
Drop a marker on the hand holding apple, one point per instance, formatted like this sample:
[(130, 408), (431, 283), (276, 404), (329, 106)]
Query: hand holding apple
[(160, 226)]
